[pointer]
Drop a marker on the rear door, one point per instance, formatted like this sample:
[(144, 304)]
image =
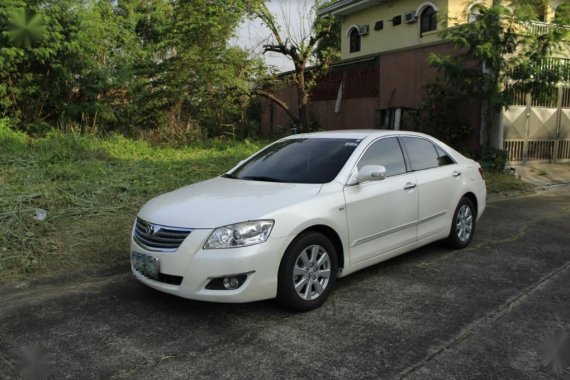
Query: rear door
[(438, 178)]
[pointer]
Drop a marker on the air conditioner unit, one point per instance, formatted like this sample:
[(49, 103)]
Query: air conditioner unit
[(363, 30), (410, 17)]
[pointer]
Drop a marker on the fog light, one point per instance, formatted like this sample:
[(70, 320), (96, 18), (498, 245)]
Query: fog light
[(231, 283)]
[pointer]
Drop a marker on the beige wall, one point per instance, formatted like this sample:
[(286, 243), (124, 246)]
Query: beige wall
[(406, 35), (552, 5), (457, 10), (391, 37)]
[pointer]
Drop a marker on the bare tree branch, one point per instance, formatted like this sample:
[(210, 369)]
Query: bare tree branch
[(299, 46), (277, 101)]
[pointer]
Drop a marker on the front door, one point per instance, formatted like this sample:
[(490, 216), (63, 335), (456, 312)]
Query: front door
[(382, 215)]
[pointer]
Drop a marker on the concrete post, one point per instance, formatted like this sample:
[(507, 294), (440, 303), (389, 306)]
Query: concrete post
[(558, 123), (527, 128)]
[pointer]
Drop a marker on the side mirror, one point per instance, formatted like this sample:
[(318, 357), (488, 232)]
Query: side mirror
[(368, 173), (371, 173)]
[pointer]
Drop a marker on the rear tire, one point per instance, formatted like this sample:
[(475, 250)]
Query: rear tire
[(462, 225), (307, 273)]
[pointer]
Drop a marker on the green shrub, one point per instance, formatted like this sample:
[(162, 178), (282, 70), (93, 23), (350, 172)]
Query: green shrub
[(494, 159), (11, 140), (439, 114), (37, 128)]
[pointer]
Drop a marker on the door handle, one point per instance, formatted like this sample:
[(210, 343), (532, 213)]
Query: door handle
[(456, 173), (409, 186)]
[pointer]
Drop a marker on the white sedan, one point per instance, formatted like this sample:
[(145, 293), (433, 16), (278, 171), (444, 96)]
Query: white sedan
[(300, 213)]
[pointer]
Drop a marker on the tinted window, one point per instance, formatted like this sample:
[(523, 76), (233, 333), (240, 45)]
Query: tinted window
[(308, 160), (385, 152), (421, 152), (443, 158)]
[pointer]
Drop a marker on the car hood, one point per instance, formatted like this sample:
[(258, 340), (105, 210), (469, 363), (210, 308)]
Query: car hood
[(222, 201)]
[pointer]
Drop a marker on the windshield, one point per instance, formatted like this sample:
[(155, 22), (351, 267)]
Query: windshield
[(302, 160)]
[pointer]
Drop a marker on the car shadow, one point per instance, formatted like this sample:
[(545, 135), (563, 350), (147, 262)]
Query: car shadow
[(172, 304)]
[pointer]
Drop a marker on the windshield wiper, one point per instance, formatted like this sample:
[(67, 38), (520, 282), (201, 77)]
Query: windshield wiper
[(261, 178), (229, 175)]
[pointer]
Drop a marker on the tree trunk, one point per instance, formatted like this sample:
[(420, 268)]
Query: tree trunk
[(491, 119), (303, 98), (303, 105), (304, 117)]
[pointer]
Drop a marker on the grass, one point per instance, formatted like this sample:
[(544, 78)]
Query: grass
[(505, 183), (91, 189)]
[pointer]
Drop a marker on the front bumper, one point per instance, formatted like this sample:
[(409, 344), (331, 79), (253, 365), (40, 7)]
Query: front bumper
[(198, 266)]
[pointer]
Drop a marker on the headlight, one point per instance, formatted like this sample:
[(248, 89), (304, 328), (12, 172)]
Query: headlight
[(240, 234)]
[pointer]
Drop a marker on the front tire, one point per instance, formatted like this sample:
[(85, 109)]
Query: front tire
[(462, 225), (307, 273)]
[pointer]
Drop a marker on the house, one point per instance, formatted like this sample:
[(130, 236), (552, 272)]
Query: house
[(384, 49)]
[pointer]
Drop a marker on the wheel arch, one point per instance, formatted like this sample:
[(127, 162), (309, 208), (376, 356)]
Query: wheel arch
[(333, 236), (473, 198)]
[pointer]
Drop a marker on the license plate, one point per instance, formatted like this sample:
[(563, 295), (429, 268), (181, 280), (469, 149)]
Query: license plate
[(146, 264)]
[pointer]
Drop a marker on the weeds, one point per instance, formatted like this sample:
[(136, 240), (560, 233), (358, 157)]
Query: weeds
[(506, 183), (91, 189)]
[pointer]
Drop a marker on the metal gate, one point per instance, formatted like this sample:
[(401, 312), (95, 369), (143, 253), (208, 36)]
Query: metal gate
[(538, 129)]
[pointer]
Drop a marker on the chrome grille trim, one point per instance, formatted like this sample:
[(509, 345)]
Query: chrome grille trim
[(158, 238)]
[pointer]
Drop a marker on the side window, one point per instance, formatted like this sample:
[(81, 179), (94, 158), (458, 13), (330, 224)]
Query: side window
[(443, 158), (422, 153), (386, 152)]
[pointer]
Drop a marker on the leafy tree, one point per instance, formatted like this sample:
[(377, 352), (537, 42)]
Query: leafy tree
[(437, 114), (311, 52), (124, 65), (57, 59), (182, 84), (200, 62), (29, 46), (499, 48), (562, 16), (26, 28)]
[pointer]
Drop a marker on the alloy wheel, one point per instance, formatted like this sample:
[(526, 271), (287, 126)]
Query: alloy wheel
[(311, 273), (464, 223)]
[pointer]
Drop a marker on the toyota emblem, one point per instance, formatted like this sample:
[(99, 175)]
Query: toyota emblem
[(151, 229)]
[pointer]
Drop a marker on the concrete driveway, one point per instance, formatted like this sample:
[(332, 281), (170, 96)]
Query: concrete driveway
[(483, 312), (544, 175)]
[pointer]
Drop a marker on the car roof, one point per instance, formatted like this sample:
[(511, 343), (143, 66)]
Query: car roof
[(355, 134), (372, 134)]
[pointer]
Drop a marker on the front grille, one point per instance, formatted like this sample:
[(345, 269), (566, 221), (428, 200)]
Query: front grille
[(155, 237)]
